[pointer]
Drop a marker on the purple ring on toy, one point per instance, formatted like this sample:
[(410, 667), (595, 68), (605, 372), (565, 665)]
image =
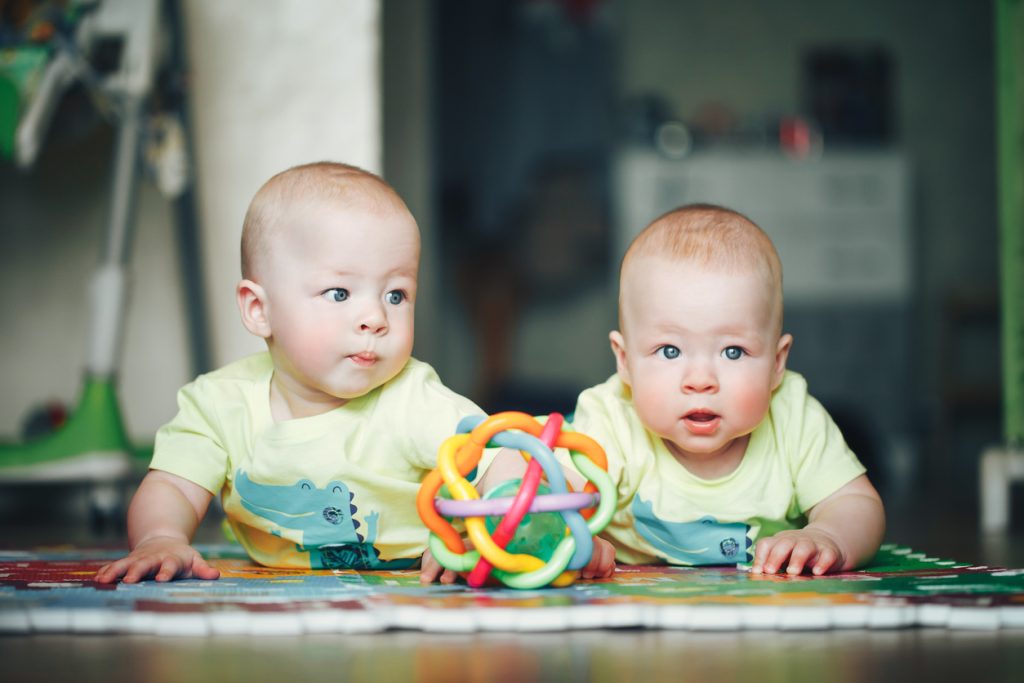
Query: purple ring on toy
[(491, 507)]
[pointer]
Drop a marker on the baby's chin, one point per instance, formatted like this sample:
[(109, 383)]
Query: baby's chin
[(348, 393), (700, 450)]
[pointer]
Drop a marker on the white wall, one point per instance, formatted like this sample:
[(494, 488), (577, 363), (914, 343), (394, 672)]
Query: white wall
[(273, 84)]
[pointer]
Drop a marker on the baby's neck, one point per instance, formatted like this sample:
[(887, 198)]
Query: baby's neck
[(289, 405), (716, 465)]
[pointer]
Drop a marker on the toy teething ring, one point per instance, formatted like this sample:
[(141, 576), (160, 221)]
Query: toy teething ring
[(461, 453)]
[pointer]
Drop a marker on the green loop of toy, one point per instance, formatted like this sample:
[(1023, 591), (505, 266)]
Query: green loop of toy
[(605, 486), (457, 562), (546, 574)]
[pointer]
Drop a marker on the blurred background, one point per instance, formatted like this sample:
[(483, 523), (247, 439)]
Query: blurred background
[(532, 139)]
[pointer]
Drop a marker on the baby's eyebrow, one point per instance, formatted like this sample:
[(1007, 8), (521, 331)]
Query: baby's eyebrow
[(403, 272)]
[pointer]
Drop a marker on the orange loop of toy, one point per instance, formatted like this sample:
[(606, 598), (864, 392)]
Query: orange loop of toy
[(428, 491), (500, 422), (574, 441)]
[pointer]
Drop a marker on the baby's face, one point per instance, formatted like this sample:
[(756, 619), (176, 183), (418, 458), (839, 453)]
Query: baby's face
[(340, 286), (701, 352)]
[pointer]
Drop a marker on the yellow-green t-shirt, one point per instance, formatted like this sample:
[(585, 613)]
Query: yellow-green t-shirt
[(795, 458), (332, 490)]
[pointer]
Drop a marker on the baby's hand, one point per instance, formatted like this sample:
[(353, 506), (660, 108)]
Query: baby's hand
[(796, 550), (431, 570), (602, 562), (165, 557)]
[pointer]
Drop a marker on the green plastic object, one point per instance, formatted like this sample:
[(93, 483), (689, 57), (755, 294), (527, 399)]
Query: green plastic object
[(1009, 29), (538, 534), (20, 70), (9, 109), (94, 426)]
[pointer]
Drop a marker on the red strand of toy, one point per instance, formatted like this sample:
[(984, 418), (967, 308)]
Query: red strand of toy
[(521, 505)]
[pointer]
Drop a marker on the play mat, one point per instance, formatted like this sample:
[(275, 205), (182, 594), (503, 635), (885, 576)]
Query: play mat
[(51, 591)]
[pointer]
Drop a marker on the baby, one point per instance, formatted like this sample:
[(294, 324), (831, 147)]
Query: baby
[(317, 446), (714, 445)]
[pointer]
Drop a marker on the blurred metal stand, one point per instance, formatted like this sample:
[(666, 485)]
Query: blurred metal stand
[(1002, 466), (92, 447)]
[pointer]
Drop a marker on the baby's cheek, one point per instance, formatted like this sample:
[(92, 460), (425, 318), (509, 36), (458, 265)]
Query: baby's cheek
[(314, 345), (751, 404), (654, 409)]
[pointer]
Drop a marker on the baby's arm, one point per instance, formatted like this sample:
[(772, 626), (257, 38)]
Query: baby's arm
[(843, 532), (162, 518)]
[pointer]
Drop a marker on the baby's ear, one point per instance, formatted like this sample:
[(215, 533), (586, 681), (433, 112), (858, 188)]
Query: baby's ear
[(619, 349), (781, 355), (253, 307)]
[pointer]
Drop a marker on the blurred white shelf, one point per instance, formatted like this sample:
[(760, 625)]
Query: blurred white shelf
[(841, 223)]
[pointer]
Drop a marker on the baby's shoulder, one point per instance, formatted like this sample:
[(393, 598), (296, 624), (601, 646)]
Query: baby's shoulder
[(234, 381), (419, 384), (416, 401), (789, 398), (605, 412), (608, 402)]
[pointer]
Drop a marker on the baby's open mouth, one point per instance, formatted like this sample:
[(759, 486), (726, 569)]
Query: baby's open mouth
[(702, 422)]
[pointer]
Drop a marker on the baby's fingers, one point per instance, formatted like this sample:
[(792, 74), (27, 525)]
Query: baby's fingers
[(827, 558), (777, 554), (112, 571), (135, 569), (804, 552), (171, 567), (761, 552), (602, 561), (430, 568), (201, 569)]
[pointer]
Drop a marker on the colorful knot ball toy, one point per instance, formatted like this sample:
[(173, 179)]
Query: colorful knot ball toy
[(527, 533)]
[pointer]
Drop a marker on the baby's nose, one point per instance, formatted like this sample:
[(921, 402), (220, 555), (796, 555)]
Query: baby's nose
[(373, 320), (700, 379)]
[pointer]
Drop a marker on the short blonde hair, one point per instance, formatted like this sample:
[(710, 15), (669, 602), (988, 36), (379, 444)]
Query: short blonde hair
[(271, 208), (710, 236)]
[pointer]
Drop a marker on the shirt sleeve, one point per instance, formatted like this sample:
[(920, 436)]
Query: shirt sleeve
[(190, 446), (429, 415), (599, 416), (820, 460)]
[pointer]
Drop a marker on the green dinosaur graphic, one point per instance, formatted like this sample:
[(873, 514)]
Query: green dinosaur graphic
[(325, 518)]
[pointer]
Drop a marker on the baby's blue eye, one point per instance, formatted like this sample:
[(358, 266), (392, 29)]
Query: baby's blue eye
[(395, 297), (336, 294), (732, 353), (668, 351)]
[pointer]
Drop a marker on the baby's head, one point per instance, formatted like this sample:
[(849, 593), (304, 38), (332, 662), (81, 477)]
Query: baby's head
[(700, 317), (330, 256)]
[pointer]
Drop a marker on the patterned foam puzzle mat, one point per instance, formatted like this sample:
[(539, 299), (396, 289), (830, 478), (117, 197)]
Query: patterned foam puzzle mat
[(51, 591)]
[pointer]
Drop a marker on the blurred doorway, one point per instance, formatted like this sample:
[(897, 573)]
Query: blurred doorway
[(524, 111)]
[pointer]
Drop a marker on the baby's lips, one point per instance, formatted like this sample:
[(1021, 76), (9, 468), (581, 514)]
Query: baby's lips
[(701, 423)]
